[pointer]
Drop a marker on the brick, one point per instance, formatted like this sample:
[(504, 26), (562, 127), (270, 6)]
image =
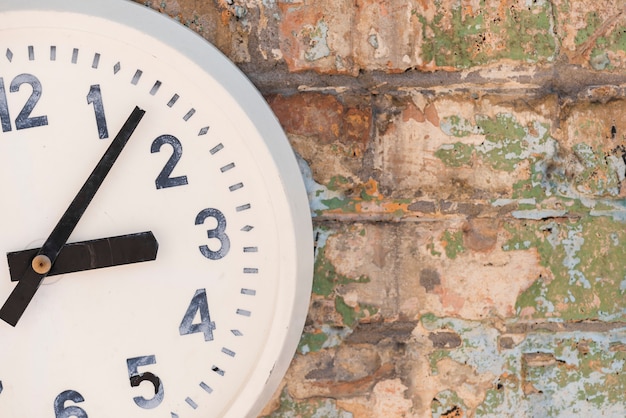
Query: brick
[(593, 33), (316, 36)]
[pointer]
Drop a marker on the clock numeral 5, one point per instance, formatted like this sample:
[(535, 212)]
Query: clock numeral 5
[(218, 233), (23, 120), (137, 378), (73, 411)]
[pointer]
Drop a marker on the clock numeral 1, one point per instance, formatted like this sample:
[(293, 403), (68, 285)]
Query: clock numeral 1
[(95, 97), (73, 411), (218, 233), (137, 378), (199, 304), (23, 120), (5, 118)]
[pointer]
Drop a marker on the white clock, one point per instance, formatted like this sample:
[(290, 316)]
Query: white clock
[(157, 230)]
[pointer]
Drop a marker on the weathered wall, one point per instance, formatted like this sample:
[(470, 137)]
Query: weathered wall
[(466, 163)]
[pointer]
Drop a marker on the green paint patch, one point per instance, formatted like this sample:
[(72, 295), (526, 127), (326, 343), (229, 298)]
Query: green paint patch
[(312, 342), (351, 315), (308, 408), (452, 243), (455, 155), (448, 404), (506, 143), (326, 278), (585, 259), (612, 41), (455, 38), (599, 175)]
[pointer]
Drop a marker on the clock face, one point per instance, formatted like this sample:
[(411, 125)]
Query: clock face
[(203, 326)]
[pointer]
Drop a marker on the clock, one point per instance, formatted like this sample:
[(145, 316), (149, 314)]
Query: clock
[(155, 223)]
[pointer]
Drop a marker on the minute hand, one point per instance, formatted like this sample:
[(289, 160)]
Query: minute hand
[(23, 293)]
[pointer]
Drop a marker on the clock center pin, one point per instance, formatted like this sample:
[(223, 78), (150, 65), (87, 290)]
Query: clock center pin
[(41, 264)]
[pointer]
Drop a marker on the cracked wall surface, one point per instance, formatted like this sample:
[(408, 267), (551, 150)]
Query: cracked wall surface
[(465, 162)]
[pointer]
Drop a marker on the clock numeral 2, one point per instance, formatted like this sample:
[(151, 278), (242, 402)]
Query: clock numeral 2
[(137, 378), (199, 304), (164, 180), (73, 411), (23, 120)]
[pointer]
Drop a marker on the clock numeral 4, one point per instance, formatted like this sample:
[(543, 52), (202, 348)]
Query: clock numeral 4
[(23, 120), (137, 378), (218, 233), (72, 411), (199, 304)]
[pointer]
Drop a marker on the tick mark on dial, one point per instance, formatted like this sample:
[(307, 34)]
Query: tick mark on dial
[(247, 228), (243, 312), (248, 292), (31, 53), (75, 56), (227, 167), (189, 114), (236, 333), (216, 149), (218, 370), (191, 403), (53, 53), (250, 249), (250, 270), (203, 131), (174, 415), (173, 100), (9, 55), (117, 67), (228, 352), (243, 207), (206, 388), (236, 187), (96, 61), (155, 88), (136, 77), (1, 388)]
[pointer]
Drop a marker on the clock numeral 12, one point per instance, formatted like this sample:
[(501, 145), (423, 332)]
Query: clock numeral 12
[(23, 120), (73, 411)]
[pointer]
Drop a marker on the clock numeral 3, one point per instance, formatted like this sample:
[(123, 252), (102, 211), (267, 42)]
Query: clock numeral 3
[(73, 411), (23, 120), (219, 233), (199, 304), (164, 180), (136, 378)]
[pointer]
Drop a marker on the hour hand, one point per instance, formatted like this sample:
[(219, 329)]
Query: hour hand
[(89, 255)]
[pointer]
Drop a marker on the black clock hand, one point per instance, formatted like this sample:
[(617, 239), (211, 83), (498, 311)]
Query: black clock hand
[(22, 294), (90, 255)]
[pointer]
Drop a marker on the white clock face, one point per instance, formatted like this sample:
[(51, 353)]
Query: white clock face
[(197, 330)]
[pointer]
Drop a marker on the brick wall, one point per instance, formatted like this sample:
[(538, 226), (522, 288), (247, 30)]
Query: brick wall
[(465, 161)]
